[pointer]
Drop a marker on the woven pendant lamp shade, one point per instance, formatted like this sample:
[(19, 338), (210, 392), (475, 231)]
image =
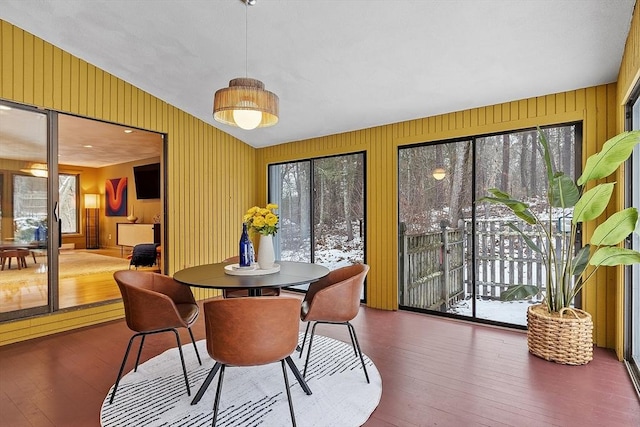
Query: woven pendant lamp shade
[(249, 95)]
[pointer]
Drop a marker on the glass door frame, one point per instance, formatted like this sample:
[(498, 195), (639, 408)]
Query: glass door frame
[(54, 238), (53, 232), (632, 272), (274, 195)]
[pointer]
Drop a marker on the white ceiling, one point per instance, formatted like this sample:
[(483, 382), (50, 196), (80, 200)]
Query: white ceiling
[(81, 142), (338, 65)]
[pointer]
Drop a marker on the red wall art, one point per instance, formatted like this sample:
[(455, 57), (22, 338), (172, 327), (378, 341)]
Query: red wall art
[(116, 194)]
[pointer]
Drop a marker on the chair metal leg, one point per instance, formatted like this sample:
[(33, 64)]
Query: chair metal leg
[(124, 361), (143, 335), (286, 384), (299, 377), (354, 342), (135, 369), (216, 402), (205, 384), (306, 331), (195, 347), (352, 334), (184, 368), (306, 362), (353, 331)]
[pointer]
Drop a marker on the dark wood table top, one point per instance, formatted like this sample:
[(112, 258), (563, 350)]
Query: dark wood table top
[(213, 276)]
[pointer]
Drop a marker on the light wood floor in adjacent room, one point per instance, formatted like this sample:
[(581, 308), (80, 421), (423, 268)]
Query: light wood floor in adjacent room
[(435, 372), (73, 291)]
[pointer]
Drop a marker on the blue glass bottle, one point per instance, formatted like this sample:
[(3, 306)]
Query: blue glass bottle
[(245, 248)]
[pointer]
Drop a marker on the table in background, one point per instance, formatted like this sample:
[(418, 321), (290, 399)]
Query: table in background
[(18, 250)]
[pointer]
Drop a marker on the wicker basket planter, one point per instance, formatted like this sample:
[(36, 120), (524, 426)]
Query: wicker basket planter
[(565, 337)]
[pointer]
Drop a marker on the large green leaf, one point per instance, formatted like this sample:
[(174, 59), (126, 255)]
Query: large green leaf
[(526, 238), (580, 261), (614, 152), (614, 256), (514, 205), (526, 216), (563, 192), (499, 193), (547, 154), (616, 228), (592, 203), (521, 209), (518, 292)]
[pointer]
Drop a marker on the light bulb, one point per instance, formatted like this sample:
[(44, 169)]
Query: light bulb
[(247, 119)]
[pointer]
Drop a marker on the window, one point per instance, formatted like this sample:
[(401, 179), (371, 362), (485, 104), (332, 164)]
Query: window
[(68, 193), (30, 205)]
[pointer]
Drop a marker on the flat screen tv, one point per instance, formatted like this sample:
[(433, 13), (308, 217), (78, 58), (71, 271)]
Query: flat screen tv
[(147, 181)]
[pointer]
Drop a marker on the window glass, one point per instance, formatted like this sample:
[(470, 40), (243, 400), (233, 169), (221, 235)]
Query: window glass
[(30, 205), (321, 209)]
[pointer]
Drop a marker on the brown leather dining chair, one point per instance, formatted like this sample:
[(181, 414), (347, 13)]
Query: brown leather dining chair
[(155, 303), (334, 299), (251, 332), (244, 292)]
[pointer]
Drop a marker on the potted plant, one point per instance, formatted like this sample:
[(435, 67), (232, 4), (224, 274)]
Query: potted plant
[(554, 334)]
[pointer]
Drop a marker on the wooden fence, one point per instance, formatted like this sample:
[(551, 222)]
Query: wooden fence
[(435, 268), (432, 268)]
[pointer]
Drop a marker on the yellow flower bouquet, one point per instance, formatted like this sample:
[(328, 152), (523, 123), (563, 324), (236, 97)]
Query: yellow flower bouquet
[(262, 220)]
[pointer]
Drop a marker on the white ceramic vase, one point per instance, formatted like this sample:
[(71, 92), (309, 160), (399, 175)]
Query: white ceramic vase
[(266, 254), (132, 218)]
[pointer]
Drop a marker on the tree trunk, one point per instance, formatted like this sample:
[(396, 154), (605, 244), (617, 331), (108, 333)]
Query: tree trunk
[(346, 198), (504, 179), (458, 174)]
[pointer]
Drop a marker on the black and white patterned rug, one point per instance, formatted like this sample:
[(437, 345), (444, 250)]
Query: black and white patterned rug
[(156, 395)]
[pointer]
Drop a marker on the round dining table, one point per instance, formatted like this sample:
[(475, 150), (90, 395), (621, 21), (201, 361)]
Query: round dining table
[(215, 276), (220, 276)]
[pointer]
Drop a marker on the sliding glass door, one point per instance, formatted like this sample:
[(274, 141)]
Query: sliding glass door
[(632, 279), (456, 254), (435, 211), (25, 225), (53, 173), (321, 208)]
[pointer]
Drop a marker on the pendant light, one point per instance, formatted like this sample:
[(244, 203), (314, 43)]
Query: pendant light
[(439, 174), (245, 103), (37, 169)]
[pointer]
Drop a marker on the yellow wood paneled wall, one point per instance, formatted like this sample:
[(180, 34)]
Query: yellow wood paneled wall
[(210, 175), (595, 106)]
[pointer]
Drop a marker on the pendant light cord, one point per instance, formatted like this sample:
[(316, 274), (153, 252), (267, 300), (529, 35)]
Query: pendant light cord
[(246, 39)]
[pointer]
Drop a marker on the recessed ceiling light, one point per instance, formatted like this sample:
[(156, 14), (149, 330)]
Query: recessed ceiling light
[(128, 131), (5, 107), (88, 146)]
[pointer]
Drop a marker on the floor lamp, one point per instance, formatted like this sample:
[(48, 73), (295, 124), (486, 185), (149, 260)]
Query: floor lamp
[(92, 222)]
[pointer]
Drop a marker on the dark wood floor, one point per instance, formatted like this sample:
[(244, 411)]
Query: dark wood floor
[(434, 372)]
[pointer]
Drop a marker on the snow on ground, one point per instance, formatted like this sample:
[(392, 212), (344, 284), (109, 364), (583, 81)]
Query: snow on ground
[(514, 312), (347, 253)]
